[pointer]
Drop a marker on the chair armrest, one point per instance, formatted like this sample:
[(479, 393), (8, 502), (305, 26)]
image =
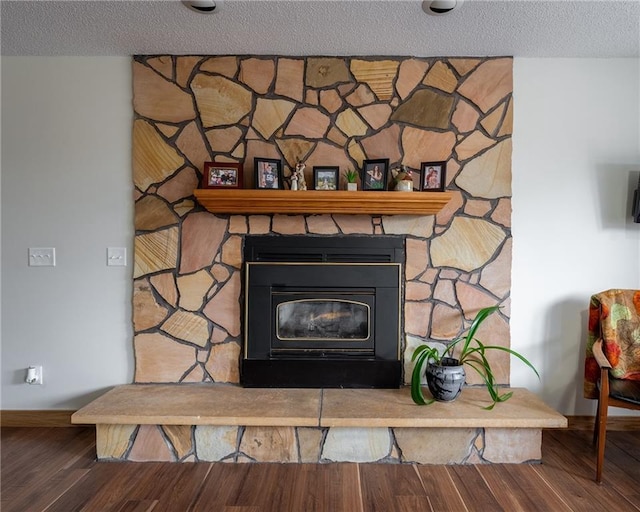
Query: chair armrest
[(601, 359)]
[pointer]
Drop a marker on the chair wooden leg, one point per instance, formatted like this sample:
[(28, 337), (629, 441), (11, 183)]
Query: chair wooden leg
[(596, 425), (603, 406), (602, 439)]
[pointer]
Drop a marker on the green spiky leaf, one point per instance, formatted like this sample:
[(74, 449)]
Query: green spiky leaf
[(416, 377)]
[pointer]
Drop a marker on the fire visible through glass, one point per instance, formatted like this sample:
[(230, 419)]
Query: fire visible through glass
[(318, 319)]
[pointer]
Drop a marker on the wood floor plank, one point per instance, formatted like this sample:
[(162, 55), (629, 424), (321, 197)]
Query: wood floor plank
[(347, 481), (47, 492), (266, 486), (575, 449), (621, 472), (137, 506), (35, 463), (269, 486), (383, 484), (565, 471), (278, 487), (318, 487), (337, 487), (221, 487), (304, 491), (474, 491), (101, 476), (141, 482), (629, 442), (15, 439), (183, 492), (308, 487), (440, 489), (412, 504), (174, 485), (44, 450), (106, 485), (575, 494), (518, 487)]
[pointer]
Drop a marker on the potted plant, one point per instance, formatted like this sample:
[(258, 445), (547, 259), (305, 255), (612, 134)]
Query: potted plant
[(445, 373), (352, 179)]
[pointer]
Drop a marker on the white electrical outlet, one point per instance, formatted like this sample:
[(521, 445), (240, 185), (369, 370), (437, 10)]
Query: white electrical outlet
[(117, 256), (34, 374), (42, 256)]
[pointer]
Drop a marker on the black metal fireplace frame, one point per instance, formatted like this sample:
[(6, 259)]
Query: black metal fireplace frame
[(373, 264)]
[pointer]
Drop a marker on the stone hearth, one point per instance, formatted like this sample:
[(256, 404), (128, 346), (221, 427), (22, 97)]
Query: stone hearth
[(230, 424)]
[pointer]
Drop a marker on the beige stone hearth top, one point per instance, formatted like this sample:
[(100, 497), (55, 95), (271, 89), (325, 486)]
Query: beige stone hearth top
[(202, 404), (207, 404), (394, 408)]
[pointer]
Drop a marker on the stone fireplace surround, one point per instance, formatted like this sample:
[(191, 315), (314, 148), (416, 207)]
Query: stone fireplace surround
[(187, 263), (325, 111)]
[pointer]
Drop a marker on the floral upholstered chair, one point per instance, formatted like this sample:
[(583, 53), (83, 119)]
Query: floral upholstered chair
[(612, 365)]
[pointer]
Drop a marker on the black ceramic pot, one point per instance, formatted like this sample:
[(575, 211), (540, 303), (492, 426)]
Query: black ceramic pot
[(445, 380)]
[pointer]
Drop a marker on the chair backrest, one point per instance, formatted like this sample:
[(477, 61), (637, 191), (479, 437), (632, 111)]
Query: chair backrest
[(614, 317)]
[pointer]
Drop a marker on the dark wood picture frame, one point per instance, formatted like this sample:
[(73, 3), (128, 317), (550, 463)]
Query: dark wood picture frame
[(432, 176), (222, 175), (268, 173), (374, 174), (326, 177)]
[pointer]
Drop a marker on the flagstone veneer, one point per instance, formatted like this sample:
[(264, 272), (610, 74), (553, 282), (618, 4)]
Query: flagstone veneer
[(231, 424), (331, 111)]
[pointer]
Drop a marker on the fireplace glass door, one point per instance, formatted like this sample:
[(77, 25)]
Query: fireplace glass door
[(337, 322)]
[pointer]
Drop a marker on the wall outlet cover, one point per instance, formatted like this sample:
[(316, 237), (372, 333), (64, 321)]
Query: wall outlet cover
[(116, 256), (42, 256)]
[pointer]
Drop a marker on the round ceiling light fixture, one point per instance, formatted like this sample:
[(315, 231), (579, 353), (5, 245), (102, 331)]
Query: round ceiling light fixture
[(440, 7), (202, 6)]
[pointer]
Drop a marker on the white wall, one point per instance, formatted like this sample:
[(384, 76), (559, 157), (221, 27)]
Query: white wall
[(576, 144), (66, 182)]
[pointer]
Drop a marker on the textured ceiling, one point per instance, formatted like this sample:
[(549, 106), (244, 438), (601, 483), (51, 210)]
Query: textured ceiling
[(522, 28)]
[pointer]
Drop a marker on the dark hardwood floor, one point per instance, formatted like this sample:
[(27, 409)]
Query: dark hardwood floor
[(53, 469)]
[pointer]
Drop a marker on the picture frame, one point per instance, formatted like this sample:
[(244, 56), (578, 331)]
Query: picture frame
[(222, 175), (325, 178), (432, 176), (374, 174), (268, 173)]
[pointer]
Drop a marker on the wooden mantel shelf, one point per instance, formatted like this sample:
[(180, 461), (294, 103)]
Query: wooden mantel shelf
[(253, 201)]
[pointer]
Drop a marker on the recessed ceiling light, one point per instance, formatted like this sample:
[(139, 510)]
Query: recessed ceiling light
[(440, 7), (202, 6)]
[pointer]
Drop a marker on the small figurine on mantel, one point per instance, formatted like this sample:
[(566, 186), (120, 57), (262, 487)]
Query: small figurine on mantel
[(402, 178), (297, 178)]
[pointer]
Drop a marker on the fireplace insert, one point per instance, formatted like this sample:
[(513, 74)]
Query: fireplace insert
[(322, 311)]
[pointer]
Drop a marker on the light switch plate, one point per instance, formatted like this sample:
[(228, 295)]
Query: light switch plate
[(117, 256), (42, 256)]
